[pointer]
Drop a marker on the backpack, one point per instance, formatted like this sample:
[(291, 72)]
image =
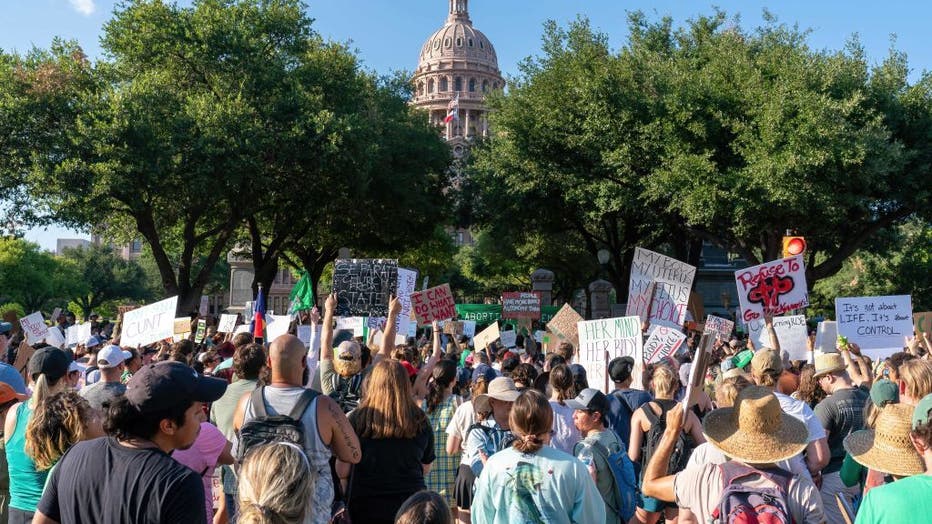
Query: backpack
[(658, 424), (346, 391), (623, 478), (622, 405), (264, 428), (741, 503), (489, 432)]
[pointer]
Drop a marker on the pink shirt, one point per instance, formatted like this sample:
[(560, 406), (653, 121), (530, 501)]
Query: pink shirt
[(202, 458)]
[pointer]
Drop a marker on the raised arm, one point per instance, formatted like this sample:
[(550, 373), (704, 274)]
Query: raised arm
[(771, 332), (391, 327), (326, 331), (420, 384)]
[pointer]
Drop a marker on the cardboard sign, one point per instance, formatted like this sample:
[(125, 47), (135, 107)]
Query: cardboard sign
[(363, 286), (435, 303), (276, 327), (204, 306), (604, 339), (227, 324), (826, 339), (521, 304), (509, 338), (777, 287), (875, 323), (150, 323), (662, 342), (719, 327), (451, 327), (791, 331), (407, 281), (486, 337), (304, 334), (34, 327), (355, 324), (659, 288), (923, 322), (697, 371), (565, 324)]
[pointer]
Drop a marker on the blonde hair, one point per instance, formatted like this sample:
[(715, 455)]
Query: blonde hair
[(727, 391), (275, 485), (57, 424), (44, 388), (387, 409), (917, 376), (664, 382)]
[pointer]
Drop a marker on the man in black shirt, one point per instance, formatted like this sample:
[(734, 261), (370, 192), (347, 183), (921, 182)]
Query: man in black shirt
[(129, 476)]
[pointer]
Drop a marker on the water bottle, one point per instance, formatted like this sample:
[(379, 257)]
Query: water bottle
[(585, 456)]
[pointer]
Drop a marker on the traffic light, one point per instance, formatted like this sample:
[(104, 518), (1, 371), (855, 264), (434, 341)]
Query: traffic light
[(793, 246)]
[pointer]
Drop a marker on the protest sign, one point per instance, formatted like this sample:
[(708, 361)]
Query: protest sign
[(55, 338), (304, 334), (277, 325), (150, 323), (826, 339), (201, 331), (73, 335), (539, 336), (242, 328), (55, 314), (604, 339), (204, 306), (509, 338), (878, 325), (923, 322), (775, 287), (697, 371), (355, 324), (226, 324), (565, 324), (84, 332), (181, 325), (435, 303), (407, 280), (363, 286), (521, 304), (719, 327), (452, 327), (659, 288), (469, 328), (663, 341), (486, 337), (792, 334), (34, 328)]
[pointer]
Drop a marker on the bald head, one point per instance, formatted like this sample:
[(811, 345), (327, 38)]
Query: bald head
[(287, 359)]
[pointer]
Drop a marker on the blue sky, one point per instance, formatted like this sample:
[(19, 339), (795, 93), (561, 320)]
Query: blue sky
[(388, 34)]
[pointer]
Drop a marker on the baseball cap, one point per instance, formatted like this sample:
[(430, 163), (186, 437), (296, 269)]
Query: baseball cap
[(921, 413), (884, 392), (92, 341), (765, 360), (578, 370), (5, 327), (619, 369), (7, 393), (50, 361), (744, 358), (111, 356), (589, 399), (484, 371), (162, 385)]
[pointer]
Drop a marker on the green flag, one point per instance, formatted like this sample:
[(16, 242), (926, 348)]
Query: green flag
[(302, 295)]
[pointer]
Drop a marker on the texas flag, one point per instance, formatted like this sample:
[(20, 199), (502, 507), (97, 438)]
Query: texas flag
[(453, 109), (258, 316)]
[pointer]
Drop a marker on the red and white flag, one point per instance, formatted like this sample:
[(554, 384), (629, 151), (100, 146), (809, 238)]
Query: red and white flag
[(453, 109)]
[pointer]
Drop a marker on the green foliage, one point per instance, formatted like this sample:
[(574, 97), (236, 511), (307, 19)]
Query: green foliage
[(34, 278), (105, 277), (14, 307)]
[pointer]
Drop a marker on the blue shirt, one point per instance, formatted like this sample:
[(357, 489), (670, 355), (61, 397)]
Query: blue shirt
[(622, 403)]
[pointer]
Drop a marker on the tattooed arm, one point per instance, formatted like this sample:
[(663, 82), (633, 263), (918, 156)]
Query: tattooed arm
[(343, 440)]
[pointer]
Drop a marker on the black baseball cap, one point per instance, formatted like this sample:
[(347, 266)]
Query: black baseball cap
[(589, 399), (619, 369), (50, 361), (162, 385)]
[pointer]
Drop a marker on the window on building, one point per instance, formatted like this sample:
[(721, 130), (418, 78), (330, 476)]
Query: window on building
[(136, 246), (458, 84), (430, 85), (459, 42), (470, 42), (447, 42), (480, 44), (443, 84), (472, 85)]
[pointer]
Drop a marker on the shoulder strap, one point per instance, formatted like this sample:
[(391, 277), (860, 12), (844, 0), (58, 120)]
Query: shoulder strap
[(649, 411), (355, 382), (257, 399), (307, 396)]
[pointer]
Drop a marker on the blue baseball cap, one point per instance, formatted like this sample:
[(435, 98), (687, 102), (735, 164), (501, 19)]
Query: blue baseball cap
[(5, 327), (483, 371)]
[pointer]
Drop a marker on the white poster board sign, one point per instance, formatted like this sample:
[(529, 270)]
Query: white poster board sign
[(663, 341), (355, 324), (719, 327), (84, 332), (34, 327), (407, 281), (242, 328), (72, 335), (659, 284), (204, 306), (55, 314), (876, 324), (604, 339), (509, 338), (55, 338), (276, 327), (227, 323), (469, 328), (826, 339), (304, 334), (792, 333), (778, 286), (149, 324), (486, 337)]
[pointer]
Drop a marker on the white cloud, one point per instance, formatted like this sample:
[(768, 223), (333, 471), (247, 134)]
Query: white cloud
[(85, 7)]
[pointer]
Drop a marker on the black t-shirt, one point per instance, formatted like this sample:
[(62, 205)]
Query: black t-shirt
[(841, 413), (101, 481)]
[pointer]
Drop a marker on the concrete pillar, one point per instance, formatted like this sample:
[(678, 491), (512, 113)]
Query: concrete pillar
[(542, 281), (598, 293), (468, 121)]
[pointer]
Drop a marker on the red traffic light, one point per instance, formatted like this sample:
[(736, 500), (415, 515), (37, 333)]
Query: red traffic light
[(793, 246)]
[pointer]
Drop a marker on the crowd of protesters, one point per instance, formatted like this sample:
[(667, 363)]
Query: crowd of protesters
[(339, 429)]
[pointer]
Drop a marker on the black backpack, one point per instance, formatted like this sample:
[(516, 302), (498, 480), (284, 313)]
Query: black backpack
[(264, 428), (658, 424), (346, 391)]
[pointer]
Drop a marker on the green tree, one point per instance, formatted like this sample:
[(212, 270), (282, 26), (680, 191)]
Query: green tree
[(104, 276), (34, 278)]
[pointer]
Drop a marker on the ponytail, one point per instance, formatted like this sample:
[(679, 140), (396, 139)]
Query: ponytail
[(43, 389), (440, 379)]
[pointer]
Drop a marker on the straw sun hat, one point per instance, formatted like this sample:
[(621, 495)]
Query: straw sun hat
[(756, 430), (887, 448)]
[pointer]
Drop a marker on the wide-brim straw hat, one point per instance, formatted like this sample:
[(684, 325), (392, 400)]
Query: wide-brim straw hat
[(887, 448), (755, 430)]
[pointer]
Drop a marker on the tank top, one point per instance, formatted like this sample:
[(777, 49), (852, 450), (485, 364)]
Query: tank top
[(26, 483), (280, 401)]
